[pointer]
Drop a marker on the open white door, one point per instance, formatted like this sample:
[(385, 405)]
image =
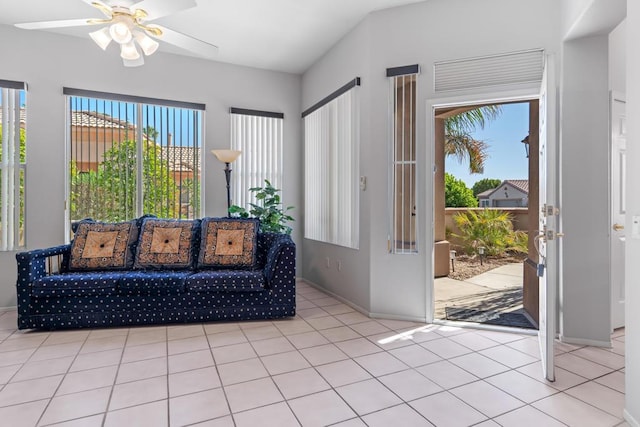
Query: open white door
[(618, 207), (548, 220)]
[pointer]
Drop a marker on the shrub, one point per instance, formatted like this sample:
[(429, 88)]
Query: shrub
[(457, 194), (490, 228)]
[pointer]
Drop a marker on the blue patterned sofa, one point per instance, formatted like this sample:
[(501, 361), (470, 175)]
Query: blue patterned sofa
[(57, 291)]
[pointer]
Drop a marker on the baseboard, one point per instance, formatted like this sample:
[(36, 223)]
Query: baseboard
[(629, 419), (582, 341), (3, 309), (397, 317), (338, 297)]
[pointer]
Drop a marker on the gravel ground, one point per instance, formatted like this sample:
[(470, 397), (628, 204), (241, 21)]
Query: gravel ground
[(469, 266)]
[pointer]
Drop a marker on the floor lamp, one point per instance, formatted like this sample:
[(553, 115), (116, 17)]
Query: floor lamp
[(227, 157)]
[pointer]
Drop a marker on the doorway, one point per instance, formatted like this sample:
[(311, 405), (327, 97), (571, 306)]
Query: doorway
[(485, 258)]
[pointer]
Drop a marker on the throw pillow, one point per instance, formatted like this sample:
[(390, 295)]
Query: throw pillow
[(228, 242), (166, 244), (101, 246)]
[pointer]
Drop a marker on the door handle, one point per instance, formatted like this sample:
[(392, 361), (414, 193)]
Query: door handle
[(618, 227)]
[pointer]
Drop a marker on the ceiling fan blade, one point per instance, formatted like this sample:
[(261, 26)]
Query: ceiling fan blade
[(158, 8), (101, 6), (54, 24), (189, 43)]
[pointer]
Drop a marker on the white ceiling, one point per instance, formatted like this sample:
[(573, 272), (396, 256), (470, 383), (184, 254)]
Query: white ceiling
[(283, 35)]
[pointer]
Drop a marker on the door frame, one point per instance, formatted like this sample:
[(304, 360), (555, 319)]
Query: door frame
[(524, 94), (613, 97)]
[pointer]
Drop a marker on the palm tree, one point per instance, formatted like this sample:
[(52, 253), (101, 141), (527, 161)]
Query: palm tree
[(459, 141)]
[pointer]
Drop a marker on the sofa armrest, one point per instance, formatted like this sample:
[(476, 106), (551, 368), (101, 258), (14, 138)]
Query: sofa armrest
[(281, 260), (34, 265)]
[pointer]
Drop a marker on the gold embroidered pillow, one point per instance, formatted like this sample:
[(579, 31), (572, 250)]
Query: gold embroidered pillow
[(228, 242), (165, 244), (100, 246)]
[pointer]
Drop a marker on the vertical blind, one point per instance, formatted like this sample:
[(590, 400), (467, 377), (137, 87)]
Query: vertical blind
[(259, 135), (12, 165), (332, 169), (403, 228)]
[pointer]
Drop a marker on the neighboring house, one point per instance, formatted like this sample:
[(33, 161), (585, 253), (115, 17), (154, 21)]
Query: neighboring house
[(512, 193), (93, 134)]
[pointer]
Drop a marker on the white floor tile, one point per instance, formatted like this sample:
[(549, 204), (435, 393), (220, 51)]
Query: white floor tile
[(446, 374), (321, 409), (444, 409), (401, 415), (368, 396), (378, 364), (198, 407), (276, 415), (489, 400), (574, 412), (300, 383), (252, 394), (527, 416), (343, 372), (479, 365), (410, 385), (601, 397), (153, 414)]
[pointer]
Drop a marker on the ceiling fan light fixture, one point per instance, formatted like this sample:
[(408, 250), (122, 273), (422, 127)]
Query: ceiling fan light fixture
[(133, 62), (120, 32), (101, 37), (146, 43), (129, 51)]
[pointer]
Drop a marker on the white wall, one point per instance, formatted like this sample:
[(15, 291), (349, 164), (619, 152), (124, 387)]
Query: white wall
[(421, 33), (618, 58), (347, 60), (49, 62), (584, 129), (632, 269)]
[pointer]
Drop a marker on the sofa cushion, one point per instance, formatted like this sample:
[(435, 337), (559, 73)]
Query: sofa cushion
[(77, 284), (165, 282), (167, 244), (103, 246), (225, 280), (228, 242)]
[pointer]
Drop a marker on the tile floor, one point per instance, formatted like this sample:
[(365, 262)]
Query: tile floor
[(328, 366)]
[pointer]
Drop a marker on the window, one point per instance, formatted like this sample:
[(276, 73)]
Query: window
[(332, 168), (131, 156), (258, 134), (403, 228), (12, 164)]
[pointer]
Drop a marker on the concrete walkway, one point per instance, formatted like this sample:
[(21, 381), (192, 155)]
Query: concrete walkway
[(499, 289)]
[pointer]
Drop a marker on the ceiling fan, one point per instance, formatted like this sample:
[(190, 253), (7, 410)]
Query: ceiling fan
[(127, 23)]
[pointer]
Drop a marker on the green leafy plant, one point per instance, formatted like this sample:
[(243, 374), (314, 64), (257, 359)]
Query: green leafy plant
[(457, 194), (492, 229), (269, 210)]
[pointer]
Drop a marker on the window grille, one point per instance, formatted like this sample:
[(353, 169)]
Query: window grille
[(131, 156), (13, 165), (332, 168), (259, 135), (402, 81)]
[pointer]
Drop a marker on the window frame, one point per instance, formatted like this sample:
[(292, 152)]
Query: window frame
[(140, 118), (14, 237), (403, 222), (332, 201), (259, 135)]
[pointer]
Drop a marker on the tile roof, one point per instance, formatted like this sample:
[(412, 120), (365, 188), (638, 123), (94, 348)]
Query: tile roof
[(97, 120), (520, 184), (181, 158)]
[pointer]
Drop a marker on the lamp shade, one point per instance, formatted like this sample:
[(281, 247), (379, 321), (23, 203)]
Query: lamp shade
[(101, 37), (147, 44), (226, 156), (120, 32), (129, 51)]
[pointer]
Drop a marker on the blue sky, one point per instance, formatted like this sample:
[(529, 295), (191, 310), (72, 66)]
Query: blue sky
[(507, 158)]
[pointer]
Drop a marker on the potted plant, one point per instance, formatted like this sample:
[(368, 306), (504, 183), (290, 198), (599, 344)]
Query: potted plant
[(269, 210)]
